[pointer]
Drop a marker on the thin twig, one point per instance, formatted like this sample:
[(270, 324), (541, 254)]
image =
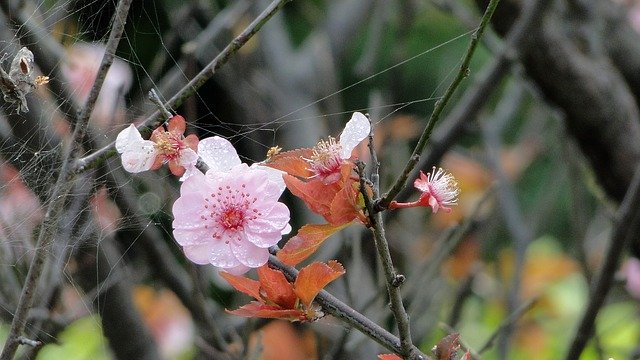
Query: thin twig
[(393, 279), (384, 202), (625, 230), (153, 120), (478, 93), (59, 194), (153, 96), (331, 305)]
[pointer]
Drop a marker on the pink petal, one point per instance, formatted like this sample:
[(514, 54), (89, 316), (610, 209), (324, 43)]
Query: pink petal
[(224, 257), (199, 254), (238, 270), (248, 254), (275, 176), (274, 221), (218, 153), (263, 239), (197, 183), (188, 210), (354, 132)]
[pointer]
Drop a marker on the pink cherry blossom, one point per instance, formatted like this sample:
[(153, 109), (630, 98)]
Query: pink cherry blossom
[(329, 155), (165, 146), (229, 218), (439, 189)]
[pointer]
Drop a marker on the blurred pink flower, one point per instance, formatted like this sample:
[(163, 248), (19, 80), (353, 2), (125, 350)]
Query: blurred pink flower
[(80, 69), (20, 213), (165, 146), (632, 272), (329, 155), (229, 218)]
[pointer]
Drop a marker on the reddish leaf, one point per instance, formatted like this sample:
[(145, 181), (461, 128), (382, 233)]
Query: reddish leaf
[(258, 309), (243, 284), (389, 357), (314, 277), (314, 193), (306, 242), (276, 287), (344, 207), (448, 347), (292, 162)]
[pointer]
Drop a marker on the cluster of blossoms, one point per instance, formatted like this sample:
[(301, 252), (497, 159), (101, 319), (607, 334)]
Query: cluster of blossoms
[(230, 215)]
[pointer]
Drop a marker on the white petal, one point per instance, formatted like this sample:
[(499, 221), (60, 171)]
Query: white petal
[(218, 153), (139, 157), (126, 137), (286, 230), (354, 132), (188, 159)]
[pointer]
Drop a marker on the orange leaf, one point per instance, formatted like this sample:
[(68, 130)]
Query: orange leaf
[(314, 277), (314, 193), (258, 309), (292, 162), (344, 205), (306, 242), (389, 357), (243, 284), (276, 287)]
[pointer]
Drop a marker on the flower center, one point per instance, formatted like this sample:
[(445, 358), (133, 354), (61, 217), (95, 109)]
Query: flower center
[(229, 208), (169, 145), (326, 158), (232, 218)]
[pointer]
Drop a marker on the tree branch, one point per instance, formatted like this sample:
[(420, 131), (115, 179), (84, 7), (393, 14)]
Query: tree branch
[(59, 194), (400, 182), (626, 229), (154, 120)]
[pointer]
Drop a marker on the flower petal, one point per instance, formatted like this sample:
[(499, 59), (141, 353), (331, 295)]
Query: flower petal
[(274, 175), (274, 221), (139, 157), (177, 125), (126, 137), (218, 153), (354, 132), (248, 254), (199, 254)]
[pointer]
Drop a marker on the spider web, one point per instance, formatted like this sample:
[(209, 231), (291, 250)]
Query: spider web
[(259, 100)]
